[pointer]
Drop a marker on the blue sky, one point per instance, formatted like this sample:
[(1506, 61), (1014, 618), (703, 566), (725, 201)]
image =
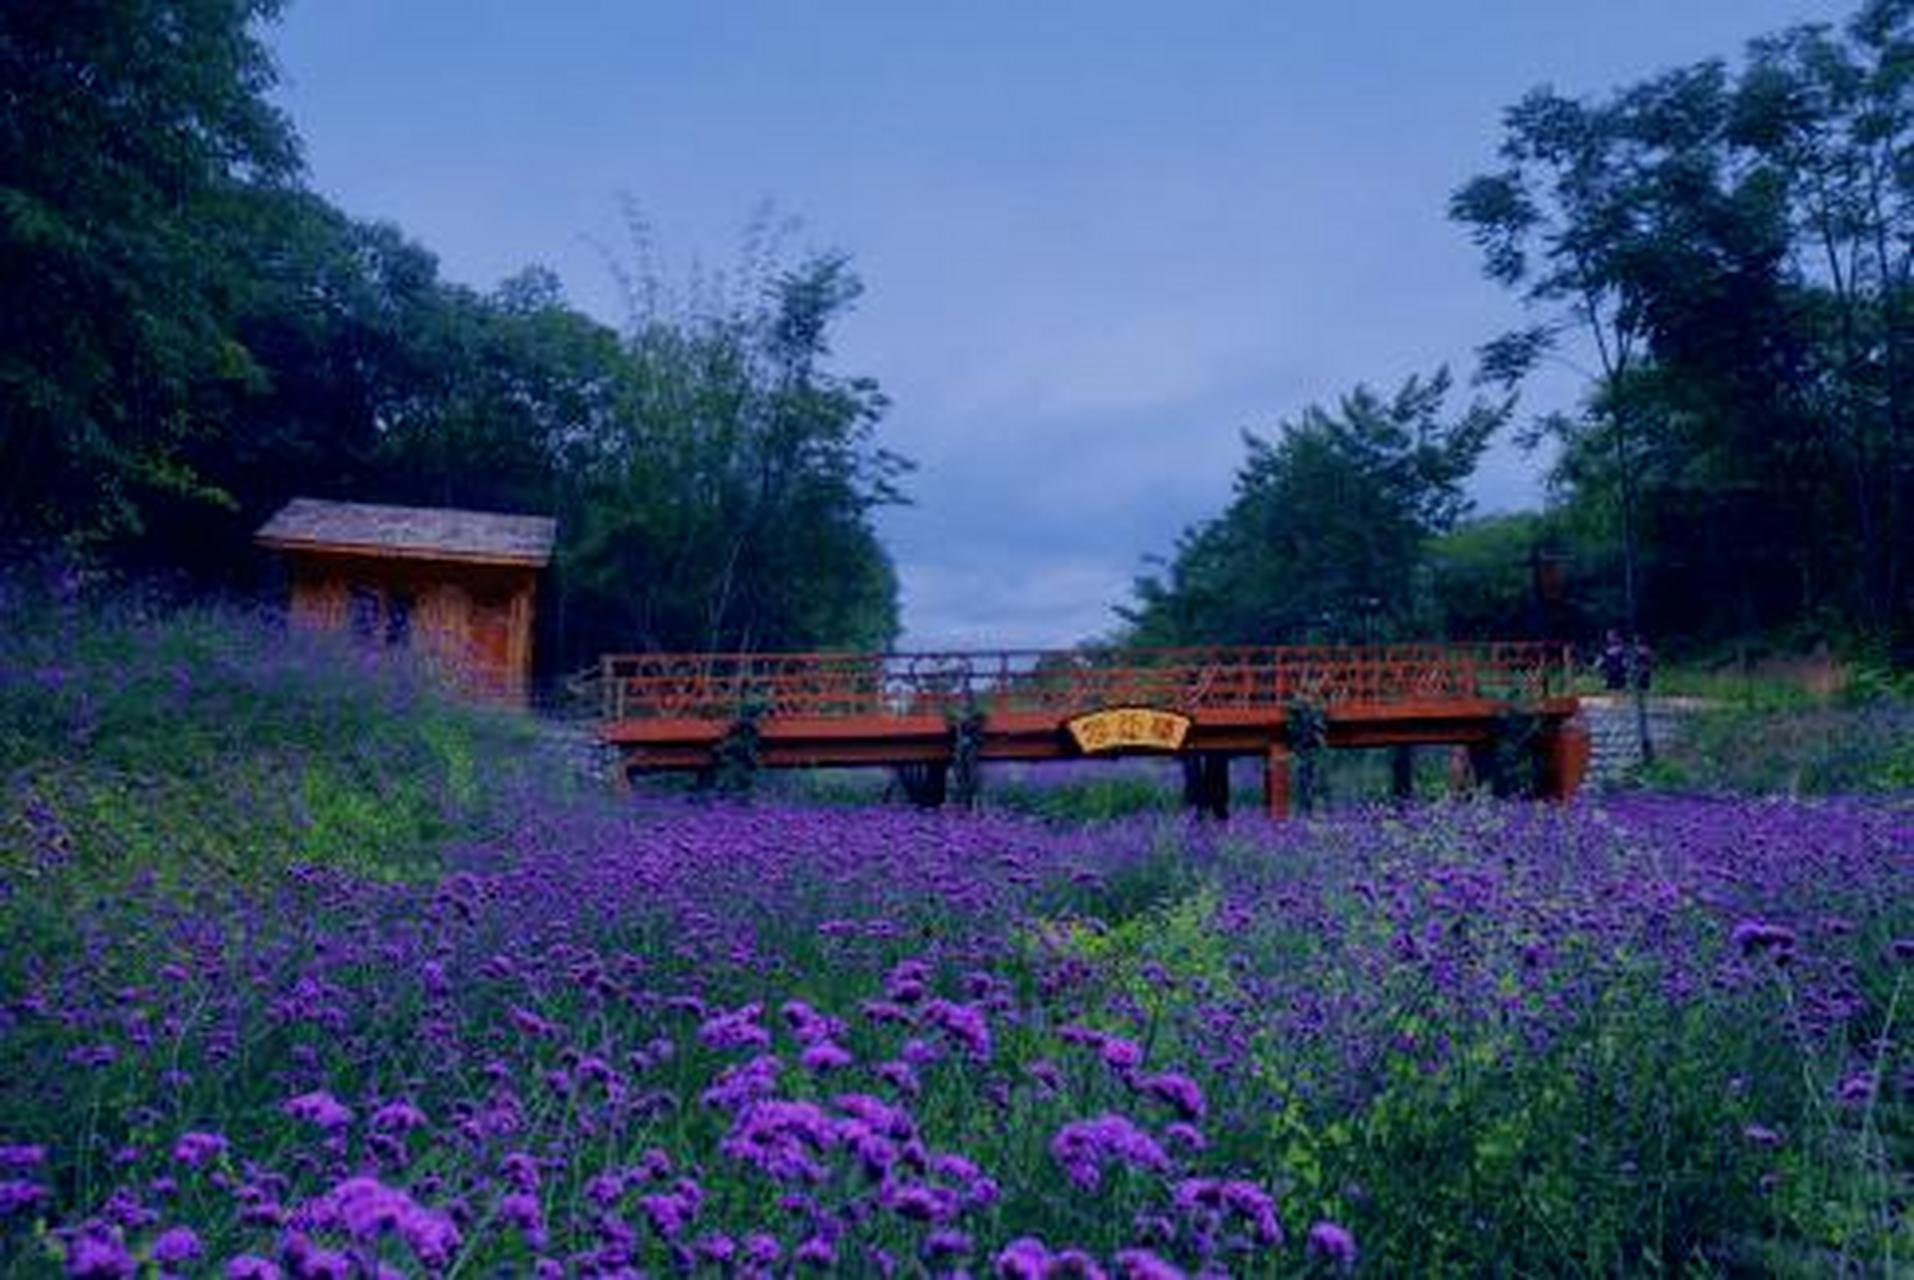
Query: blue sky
[(1099, 240)]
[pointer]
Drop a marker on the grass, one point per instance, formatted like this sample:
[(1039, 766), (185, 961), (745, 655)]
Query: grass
[(142, 739), (1772, 736)]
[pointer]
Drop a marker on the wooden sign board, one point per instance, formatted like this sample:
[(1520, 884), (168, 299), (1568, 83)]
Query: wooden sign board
[(1121, 728)]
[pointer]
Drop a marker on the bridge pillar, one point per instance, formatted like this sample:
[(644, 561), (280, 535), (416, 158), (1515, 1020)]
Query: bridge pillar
[(1462, 777), (1565, 754), (1206, 783), (1402, 771), (1276, 780), (926, 784), (1484, 771)]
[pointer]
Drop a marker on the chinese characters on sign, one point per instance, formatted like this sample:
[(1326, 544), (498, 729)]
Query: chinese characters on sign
[(1122, 727)]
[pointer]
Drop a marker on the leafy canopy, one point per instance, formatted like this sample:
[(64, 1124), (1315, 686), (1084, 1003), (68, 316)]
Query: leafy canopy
[(131, 129), (1324, 537), (1730, 253)]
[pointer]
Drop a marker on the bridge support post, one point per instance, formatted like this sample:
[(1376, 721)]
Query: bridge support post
[(1402, 771), (926, 784), (1276, 781), (1206, 784), (1565, 754), (1461, 772), (1484, 770)]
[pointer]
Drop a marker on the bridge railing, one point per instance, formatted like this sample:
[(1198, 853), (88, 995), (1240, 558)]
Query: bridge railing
[(724, 686)]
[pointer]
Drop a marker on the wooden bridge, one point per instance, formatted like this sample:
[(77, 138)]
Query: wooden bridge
[(930, 711)]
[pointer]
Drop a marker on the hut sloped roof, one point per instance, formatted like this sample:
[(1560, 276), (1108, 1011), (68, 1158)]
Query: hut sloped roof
[(424, 533)]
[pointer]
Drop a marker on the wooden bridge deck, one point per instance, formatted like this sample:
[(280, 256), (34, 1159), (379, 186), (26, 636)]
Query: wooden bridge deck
[(672, 711)]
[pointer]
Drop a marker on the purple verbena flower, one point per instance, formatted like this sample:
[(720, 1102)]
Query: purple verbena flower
[(720, 1249), (98, 1254), (1085, 1147), (319, 1108), (195, 1148), (310, 1262), (366, 1209), (17, 1195), (737, 1029), (1187, 1136), (1213, 1199), (1120, 1053), (19, 1158), (808, 1025), (908, 982), (743, 1084), (946, 1242), (1754, 937), (892, 1122), (824, 1055), (922, 1202), (1141, 1264), (1179, 1091), (520, 1169), (1333, 1242), (1025, 1258), (815, 1251), (1856, 1089), (402, 1116), (964, 1024), (783, 1139), (175, 1246), (900, 1076), (1075, 1264)]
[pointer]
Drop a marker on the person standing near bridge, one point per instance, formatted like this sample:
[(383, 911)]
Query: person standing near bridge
[(1641, 662), (1614, 660)]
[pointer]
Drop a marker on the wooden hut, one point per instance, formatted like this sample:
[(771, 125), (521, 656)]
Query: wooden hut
[(459, 586)]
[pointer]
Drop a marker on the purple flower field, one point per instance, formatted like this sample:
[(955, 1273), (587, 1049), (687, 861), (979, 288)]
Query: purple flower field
[(759, 1040), (675, 1038)]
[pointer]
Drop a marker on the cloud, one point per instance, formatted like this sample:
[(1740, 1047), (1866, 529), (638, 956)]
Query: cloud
[(1041, 603)]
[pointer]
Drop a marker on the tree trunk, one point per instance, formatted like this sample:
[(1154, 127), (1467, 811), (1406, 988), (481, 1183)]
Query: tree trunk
[(1631, 606)]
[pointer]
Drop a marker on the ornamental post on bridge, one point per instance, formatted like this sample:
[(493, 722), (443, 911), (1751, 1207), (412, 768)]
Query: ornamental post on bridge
[(460, 587)]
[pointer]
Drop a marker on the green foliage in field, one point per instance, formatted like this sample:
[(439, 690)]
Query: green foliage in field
[(1635, 1140), (1086, 797), (136, 743), (1793, 748)]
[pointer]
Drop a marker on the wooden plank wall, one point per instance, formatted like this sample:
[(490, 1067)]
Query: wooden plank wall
[(474, 621)]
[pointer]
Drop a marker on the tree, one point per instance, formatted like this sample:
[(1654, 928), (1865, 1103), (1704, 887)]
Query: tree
[(1323, 540), (128, 130), (1831, 118), (1736, 250), (188, 338), (725, 500), (1613, 220)]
